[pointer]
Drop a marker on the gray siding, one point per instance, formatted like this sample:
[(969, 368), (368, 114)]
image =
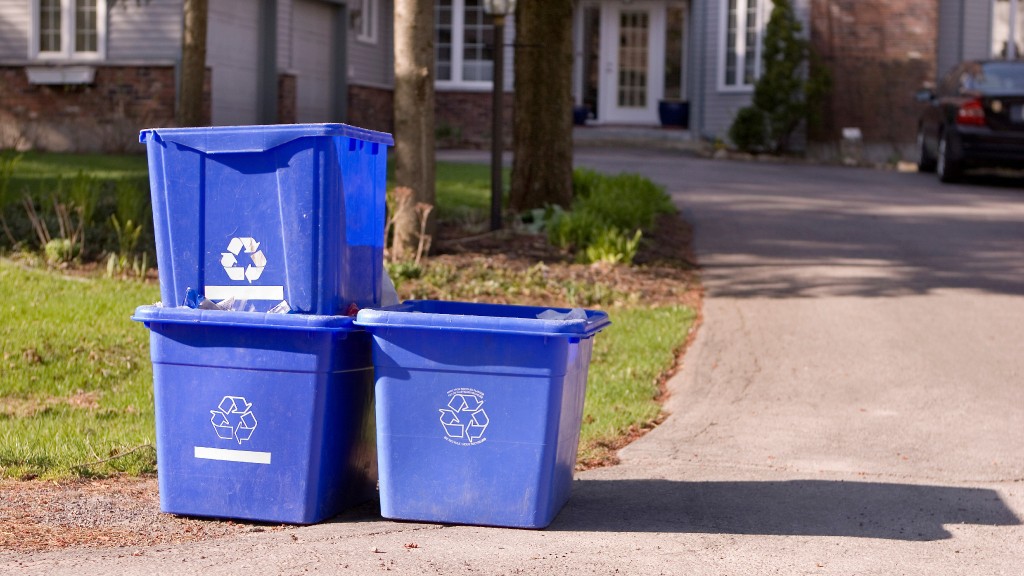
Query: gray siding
[(371, 64), (716, 109), (284, 35), (977, 29), (150, 31), (719, 107), (965, 32), (951, 39), (15, 19)]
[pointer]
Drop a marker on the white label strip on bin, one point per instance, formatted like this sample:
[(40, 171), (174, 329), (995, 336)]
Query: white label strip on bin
[(247, 456), (245, 292)]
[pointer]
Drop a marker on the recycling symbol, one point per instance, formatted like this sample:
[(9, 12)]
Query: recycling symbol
[(464, 420), (233, 419), (257, 261)]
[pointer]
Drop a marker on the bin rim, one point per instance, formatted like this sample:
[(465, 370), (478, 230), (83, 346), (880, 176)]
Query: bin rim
[(257, 138), (157, 314), (525, 322)]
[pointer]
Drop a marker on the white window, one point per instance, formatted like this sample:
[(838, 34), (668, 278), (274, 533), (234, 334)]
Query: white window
[(364, 17), (68, 29), (463, 44), (1007, 22), (742, 34)]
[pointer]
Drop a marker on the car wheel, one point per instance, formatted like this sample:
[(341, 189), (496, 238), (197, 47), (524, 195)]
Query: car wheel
[(948, 169), (925, 161)]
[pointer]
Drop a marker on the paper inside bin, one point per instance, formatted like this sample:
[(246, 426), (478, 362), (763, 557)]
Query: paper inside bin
[(574, 314)]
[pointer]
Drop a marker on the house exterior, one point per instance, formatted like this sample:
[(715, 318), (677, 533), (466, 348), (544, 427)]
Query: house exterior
[(88, 74), (71, 78)]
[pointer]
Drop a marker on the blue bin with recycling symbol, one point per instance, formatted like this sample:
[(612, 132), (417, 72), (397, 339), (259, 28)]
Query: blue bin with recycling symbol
[(265, 214), (478, 409), (265, 417)]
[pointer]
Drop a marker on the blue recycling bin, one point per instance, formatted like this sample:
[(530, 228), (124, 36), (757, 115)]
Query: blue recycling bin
[(265, 417), (479, 408), (270, 213)]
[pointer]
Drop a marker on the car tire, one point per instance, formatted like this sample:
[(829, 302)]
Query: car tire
[(925, 161), (947, 168)]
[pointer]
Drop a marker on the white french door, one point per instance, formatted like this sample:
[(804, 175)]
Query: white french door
[(632, 62)]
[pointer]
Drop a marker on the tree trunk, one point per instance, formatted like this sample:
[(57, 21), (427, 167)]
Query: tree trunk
[(414, 118), (193, 64), (542, 128)]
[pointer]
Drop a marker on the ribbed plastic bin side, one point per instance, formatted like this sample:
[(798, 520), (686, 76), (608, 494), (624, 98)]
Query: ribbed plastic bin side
[(270, 213), (265, 417), (479, 410)]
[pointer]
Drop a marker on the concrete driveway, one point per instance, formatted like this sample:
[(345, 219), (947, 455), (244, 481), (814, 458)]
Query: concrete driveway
[(853, 404)]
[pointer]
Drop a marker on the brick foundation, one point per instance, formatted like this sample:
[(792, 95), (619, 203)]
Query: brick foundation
[(286, 98), (464, 119), (879, 53), (371, 108), (104, 116)]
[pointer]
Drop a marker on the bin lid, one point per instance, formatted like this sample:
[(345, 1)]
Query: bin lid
[(475, 317), (193, 316), (236, 139)]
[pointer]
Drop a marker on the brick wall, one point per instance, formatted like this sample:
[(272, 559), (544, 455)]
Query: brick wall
[(371, 108), (286, 98), (103, 116), (879, 53), (464, 119)]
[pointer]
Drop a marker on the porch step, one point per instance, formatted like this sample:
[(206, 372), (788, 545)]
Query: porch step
[(635, 137)]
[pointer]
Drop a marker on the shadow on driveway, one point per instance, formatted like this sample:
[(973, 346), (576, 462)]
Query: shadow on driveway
[(790, 508)]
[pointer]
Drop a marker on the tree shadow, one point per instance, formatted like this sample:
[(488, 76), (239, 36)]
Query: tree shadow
[(785, 508), (834, 233)]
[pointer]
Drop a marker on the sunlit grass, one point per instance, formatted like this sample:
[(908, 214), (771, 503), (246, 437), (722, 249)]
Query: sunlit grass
[(76, 382)]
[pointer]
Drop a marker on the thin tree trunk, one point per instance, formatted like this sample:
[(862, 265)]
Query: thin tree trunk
[(542, 128), (414, 117), (193, 64)]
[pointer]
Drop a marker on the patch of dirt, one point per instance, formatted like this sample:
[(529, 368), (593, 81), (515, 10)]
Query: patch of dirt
[(124, 512), (23, 407), (114, 513), (664, 271)]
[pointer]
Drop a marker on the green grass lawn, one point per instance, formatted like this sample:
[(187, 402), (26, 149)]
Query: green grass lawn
[(76, 381), (36, 171)]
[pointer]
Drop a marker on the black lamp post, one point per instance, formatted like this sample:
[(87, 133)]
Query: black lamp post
[(498, 9)]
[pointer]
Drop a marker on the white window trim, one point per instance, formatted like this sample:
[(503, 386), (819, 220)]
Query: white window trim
[(763, 12), (458, 31), (67, 35), (370, 16), (1012, 29)]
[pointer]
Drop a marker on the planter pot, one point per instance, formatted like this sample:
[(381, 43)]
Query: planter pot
[(579, 115), (674, 113)]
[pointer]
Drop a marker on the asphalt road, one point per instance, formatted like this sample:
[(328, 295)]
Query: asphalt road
[(853, 404)]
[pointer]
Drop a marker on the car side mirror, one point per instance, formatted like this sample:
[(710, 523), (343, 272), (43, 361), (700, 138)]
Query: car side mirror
[(924, 95)]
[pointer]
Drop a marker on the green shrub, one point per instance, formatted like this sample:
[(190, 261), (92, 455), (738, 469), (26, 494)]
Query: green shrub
[(584, 181), (788, 93), (626, 201), (748, 131), (575, 229), (613, 246), (608, 213)]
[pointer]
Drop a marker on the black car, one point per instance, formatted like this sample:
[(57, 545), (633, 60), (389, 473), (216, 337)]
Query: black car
[(974, 119)]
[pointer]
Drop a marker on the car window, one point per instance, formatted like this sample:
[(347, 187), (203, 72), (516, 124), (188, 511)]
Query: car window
[(1000, 77)]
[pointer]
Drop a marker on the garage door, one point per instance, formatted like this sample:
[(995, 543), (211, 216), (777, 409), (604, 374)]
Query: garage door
[(312, 60), (232, 52)]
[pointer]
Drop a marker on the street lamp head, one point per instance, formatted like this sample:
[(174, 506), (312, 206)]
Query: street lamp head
[(499, 7)]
